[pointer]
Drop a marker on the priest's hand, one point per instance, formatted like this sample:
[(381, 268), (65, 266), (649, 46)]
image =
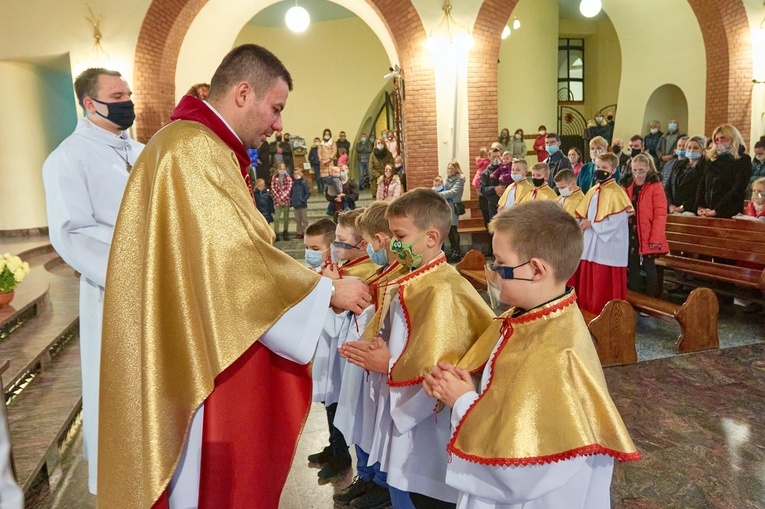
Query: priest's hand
[(331, 270), (351, 294), (373, 356), (451, 383)]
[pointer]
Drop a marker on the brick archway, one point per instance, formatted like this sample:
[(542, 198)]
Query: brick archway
[(724, 27), (165, 27)]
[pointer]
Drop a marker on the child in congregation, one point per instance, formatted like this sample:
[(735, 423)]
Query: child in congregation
[(519, 189), (438, 183), (350, 259), (333, 188), (648, 238), (481, 163), (604, 214), (756, 206), (263, 201), (299, 200), (570, 194), (342, 158), (505, 171), (540, 173), (317, 240), (542, 431), (357, 404), (435, 315), (281, 188)]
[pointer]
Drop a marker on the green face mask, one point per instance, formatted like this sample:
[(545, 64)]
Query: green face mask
[(404, 253)]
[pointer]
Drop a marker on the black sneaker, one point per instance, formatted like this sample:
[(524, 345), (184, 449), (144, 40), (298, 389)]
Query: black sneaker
[(376, 498), (357, 488), (333, 468), (320, 457)]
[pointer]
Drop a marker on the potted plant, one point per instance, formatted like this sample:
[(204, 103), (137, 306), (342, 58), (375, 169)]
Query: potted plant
[(12, 272)]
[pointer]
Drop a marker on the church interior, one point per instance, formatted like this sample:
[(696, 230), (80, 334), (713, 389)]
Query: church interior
[(685, 369)]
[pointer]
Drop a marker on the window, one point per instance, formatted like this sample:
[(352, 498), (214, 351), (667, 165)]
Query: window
[(570, 70)]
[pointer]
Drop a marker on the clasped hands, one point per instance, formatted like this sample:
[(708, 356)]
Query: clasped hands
[(373, 356), (447, 383)]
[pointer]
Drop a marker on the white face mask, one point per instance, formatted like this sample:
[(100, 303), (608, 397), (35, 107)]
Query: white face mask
[(654, 130), (542, 133), (517, 136), (565, 192)]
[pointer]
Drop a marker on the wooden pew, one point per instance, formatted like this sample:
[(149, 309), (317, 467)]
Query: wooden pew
[(613, 330), (716, 249), (697, 318), (474, 223)]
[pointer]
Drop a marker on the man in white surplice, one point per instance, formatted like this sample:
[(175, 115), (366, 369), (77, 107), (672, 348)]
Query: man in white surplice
[(85, 179)]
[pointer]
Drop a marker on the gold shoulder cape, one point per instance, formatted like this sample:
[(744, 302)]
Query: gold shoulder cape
[(382, 288), (193, 282), (572, 201), (546, 399), (444, 315), (361, 268), (611, 200), (541, 193), (520, 190)]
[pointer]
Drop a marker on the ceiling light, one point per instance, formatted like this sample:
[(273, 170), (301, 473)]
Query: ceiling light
[(506, 32), (297, 19), (590, 8), (516, 24)]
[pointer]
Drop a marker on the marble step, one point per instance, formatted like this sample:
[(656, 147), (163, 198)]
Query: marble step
[(42, 414)]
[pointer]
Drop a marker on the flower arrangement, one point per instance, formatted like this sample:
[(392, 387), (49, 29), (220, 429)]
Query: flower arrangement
[(12, 272)]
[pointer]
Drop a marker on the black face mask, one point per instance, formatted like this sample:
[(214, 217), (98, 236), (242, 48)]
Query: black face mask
[(278, 138), (538, 182), (616, 149), (602, 175), (634, 152), (121, 114)]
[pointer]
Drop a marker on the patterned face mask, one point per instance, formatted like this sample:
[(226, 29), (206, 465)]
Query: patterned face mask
[(404, 252)]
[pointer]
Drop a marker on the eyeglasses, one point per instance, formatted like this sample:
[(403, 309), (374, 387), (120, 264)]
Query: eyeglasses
[(758, 194), (343, 245), (639, 172)]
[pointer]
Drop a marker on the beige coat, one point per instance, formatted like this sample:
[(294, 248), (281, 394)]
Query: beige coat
[(327, 153)]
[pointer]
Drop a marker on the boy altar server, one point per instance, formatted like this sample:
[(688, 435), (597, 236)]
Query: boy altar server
[(435, 315), (544, 432), (519, 189), (570, 194), (540, 173)]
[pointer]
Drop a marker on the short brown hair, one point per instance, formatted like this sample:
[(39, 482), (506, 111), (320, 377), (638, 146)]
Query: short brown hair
[(348, 220), (324, 227), (86, 84), (425, 207), (544, 230), (522, 162), (373, 220), (565, 175), (610, 158), (251, 63), (541, 167)]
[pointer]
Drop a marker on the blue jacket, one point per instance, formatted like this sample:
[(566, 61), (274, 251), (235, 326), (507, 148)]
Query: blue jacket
[(300, 194), (313, 157), (264, 203)]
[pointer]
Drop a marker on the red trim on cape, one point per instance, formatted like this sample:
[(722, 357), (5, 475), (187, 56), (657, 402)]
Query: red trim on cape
[(191, 108), (353, 262), (597, 207), (439, 260)]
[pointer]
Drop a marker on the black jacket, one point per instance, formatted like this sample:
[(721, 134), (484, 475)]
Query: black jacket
[(265, 204), (683, 184), (557, 162), (723, 184), (487, 187)]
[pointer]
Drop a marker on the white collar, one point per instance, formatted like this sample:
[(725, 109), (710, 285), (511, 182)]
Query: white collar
[(88, 129), (224, 121)]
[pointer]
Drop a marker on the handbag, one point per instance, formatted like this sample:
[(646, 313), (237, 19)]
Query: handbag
[(459, 208)]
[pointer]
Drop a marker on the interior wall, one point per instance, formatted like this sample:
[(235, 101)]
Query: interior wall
[(37, 111), (527, 74), (755, 10), (337, 68), (667, 102), (661, 43)]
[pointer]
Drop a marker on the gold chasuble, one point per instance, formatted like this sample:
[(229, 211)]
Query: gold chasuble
[(519, 190), (541, 193), (611, 200), (546, 399), (193, 282), (572, 201), (444, 314)]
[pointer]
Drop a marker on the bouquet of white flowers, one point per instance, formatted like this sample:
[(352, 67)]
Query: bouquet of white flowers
[(12, 272)]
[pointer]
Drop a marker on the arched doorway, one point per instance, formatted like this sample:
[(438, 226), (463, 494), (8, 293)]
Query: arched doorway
[(667, 102)]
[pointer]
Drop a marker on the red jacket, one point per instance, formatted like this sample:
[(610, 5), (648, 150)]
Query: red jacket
[(751, 211), (651, 217), (539, 148)]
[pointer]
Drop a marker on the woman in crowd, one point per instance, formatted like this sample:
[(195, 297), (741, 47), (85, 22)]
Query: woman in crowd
[(327, 154), (504, 139), (392, 143), (380, 158), (575, 158), (758, 162), (539, 144), (686, 174), (517, 145), (586, 176), (647, 225), (453, 187), (651, 140), (389, 185), (722, 189)]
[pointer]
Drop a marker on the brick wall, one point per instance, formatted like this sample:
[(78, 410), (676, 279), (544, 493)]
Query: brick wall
[(165, 27)]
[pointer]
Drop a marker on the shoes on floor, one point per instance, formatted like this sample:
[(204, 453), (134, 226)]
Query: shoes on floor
[(333, 468), (320, 457), (278, 237), (285, 236), (356, 489), (454, 256), (754, 308), (376, 498)]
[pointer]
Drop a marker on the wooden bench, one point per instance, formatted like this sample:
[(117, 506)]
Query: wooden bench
[(613, 330), (697, 318), (715, 249), (474, 223)]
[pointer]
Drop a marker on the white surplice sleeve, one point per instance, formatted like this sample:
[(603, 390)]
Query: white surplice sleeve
[(81, 241), (295, 334), (606, 228)]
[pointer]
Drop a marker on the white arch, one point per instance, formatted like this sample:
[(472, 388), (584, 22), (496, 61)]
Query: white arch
[(216, 26)]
